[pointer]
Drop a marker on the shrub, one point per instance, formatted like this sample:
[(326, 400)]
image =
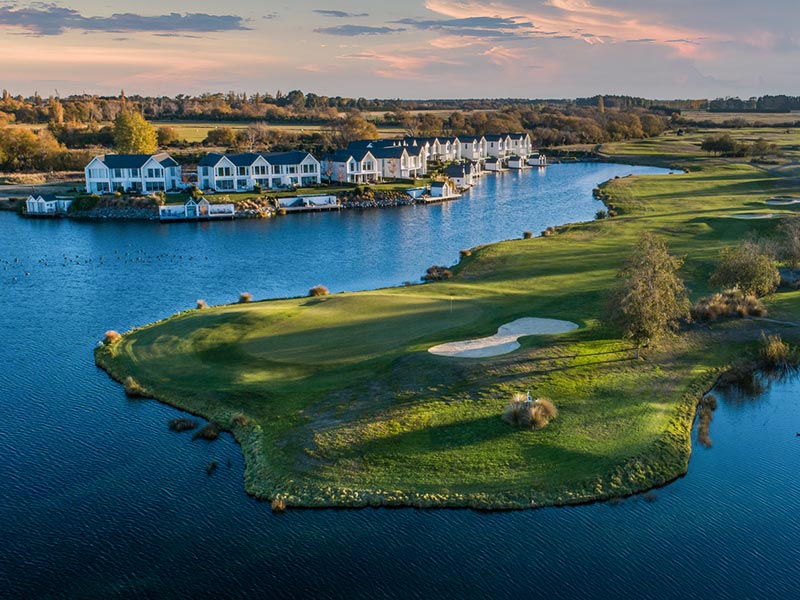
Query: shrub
[(535, 414), (201, 304), (278, 505), (526, 235), (245, 297), (464, 253), (318, 290), (549, 232), (241, 420), (111, 337), (774, 352), (133, 389), (730, 303), (182, 424), (209, 433), (601, 214), (437, 273), (748, 267), (705, 410)]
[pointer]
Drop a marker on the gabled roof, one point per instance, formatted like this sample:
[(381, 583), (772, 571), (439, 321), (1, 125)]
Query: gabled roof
[(286, 158), (244, 159), (455, 171), (45, 197), (389, 152), (372, 144), (437, 184), (494, 137), (135, 161), (210, 159), (343, 155)]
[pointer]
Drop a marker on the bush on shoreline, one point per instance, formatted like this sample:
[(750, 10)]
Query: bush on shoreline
[(111, 337), (437, 273), (730, 303), (318, 290), (133, 389), (245, 297)]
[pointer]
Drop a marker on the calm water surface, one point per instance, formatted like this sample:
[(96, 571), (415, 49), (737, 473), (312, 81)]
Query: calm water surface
[(98, 499)]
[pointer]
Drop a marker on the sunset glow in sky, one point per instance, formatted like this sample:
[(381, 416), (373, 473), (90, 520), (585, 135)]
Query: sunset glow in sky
[(404, 48)]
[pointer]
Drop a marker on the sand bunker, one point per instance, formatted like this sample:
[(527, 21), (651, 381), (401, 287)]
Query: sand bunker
[(505, 340), (754, 216), (782, 200)]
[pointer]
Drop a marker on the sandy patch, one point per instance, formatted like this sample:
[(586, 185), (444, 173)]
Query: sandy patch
[(754, 216), (505, 340), (782, 201)]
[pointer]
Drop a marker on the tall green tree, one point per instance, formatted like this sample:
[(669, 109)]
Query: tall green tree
[(651, 299), (133, 134)]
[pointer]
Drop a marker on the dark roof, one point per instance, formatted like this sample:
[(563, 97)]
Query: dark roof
[(388, 151), (135, 161), (46, 197), (437, 184), (244, 159), (382, 143), (286, 158), (210, 159), (494, 137), (455, 171), (342, 155)]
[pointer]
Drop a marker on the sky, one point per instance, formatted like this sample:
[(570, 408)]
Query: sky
[(404, 48)]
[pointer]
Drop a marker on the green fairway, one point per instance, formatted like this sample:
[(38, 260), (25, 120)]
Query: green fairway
[(336, 401)]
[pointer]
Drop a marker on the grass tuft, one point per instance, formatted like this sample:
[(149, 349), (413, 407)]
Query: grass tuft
[(245, 297), (535, 414), (209, 433), (201, 304), (775, 353), (318, 290), (465, 253), (133, 389), (278, 505), (730, 303), (526, 235)]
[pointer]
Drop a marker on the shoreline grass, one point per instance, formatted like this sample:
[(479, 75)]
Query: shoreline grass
[(338, 403)]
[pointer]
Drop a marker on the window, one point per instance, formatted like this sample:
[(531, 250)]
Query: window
[(103, 187), (155, 173), (241, 171), (155, 186), (116, 173), (310, 168), (260, 170), (292, 169), (368, 165), (223, 172), (134, 172), (241, 184), (225, 184), (276, 169)]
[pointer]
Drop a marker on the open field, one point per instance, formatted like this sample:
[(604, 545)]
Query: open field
[(336, 401), (756, 117)]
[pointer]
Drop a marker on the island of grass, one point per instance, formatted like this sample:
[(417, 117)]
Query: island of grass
[(336, 401)]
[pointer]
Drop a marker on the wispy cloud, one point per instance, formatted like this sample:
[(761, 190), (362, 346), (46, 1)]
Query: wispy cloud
[(340, 14), (51, 19), (356, 30), (473, 26)]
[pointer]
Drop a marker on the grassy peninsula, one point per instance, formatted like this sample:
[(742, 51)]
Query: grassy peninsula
[(336, 401)]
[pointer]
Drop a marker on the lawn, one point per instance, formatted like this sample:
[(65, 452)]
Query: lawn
[(336, 402)]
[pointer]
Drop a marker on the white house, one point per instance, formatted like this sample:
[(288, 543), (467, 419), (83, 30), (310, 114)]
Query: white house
[(242, 172), (351, 166), (462, 175), (493, 164), (143, 173), (520, 144), (497, 146), (473, 148), (443, 189), (196, 209), (47, 204), (449, 149), (538, 161), (517, 162)]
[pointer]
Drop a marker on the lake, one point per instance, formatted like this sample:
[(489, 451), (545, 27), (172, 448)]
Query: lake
[(100, 500)]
